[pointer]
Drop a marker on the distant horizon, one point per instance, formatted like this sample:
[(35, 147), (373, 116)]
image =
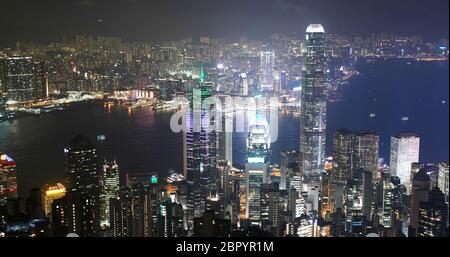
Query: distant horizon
[(195, 39), (160, 21)]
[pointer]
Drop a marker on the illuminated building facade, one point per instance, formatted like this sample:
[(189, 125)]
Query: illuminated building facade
[(313, 103), (109, 189), (433, 215), (288, 163), (270, 199), (388, 198), (171, 219), (200, 149), (8, 179), (267, 70), (421, 185), (443, 179), (404, 151), (354, 205), (354, 150), (84, 186), (256, 168), (18, 78), (51, 193)]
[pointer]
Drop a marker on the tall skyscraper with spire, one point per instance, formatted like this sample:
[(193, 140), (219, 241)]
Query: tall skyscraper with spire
[(313, 103), (200, 148)]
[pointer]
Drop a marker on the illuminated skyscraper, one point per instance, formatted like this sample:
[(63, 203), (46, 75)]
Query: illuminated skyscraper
[(289, 159), (404, 151), (52, 193), (120, 214), (18, 78), (2, 105), (443, 179), (433, 215), (313, 103), (171, 219), (354, 150), (421, 185), (270, 200), (256, 167), (84, 187), (354, 203), (39, 80), (267, 69), (109, 189), (200, 148), (8, 179), (388, 198), (225, 144)]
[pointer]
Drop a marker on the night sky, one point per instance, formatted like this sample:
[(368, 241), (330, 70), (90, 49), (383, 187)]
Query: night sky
[(159, 20)]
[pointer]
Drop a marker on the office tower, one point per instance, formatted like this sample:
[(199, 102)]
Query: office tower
[(443, 179), (144, 203), (354, 201), (225, 180), (326, 200), (200, 148), (59, 217), (18, 79), (267, 70), (52, 193), (84, 187), (404, 151), (368, 195), (225, 144), (2, 105), (393, 206), (354, 150), (136, 208), (431, 169), (34, 204), (39, 80), (388, 198), (421, 185), (288, 158), (109, 179), (313, 103), (300, 227), (270, 212), (8, 179), (215, 204), (351, 151), (200, 132), (171, 219), (256, 167), (433, 215), (296, 203), (120, 214), (312, 198), (415, 167), (244, 84)]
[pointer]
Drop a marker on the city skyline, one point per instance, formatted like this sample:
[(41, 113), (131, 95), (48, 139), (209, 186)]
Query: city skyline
[(336, 130)]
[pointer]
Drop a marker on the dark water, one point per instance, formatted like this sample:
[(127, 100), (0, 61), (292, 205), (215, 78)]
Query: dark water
[(143, 140)]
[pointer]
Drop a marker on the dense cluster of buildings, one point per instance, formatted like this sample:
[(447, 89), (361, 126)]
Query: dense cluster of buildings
[(352, 193)]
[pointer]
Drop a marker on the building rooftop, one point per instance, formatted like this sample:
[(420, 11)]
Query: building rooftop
[(315, 28), (421, 176), (406, 135)]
